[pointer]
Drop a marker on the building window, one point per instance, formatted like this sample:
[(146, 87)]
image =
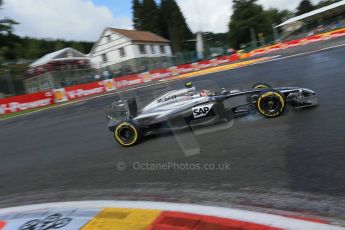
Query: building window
[(142, 49), (162, 49), (108, 38), (122, 52), (153, 49), (104, 58)]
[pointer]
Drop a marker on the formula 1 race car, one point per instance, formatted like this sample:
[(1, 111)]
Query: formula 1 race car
[(187, 108)]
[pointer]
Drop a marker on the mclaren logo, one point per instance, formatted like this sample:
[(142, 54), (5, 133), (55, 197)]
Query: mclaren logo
[(170, 98), (202, 110)]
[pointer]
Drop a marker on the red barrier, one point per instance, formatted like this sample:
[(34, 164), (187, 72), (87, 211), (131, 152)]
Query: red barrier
[(25, 102), (122, 82), (223, 60), (205, 64), (337, 33), (314, 38), (185, 68), (109, 85), (227, 59), (2, 224), (160, 73), (293, 43), (234, 57), (174, 71), (276, 47), (258, 51), (80, 91)]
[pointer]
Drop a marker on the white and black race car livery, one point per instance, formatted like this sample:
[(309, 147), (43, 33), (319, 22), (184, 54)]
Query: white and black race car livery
[(184, 108)]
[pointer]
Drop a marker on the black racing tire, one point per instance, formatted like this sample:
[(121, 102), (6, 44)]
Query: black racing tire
[(271, 103), (127, 134), (261, 85)]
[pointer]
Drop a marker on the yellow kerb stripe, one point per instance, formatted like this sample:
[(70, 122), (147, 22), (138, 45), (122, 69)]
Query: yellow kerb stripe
[(121, 218)]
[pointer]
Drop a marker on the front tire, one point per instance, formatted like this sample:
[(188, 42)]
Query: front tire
[(127, 134), (271, 103), (261, 85)]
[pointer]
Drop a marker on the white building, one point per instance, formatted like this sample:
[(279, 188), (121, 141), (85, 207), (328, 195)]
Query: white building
[(130, 51)]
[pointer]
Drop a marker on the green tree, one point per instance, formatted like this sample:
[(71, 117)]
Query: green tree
[(247, 16), (8, 40), (78, 46), (137, 15), (59, 45), (6, 24), (174, 27), (276, 17), (166, 20), (87, 46), (304, 7), (149, 16), (216, 39), (33, 49)]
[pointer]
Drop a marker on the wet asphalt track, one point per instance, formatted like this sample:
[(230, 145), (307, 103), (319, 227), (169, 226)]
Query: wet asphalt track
[(294, 162)]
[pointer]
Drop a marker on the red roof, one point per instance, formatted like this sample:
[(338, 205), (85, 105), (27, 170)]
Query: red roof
[(141, 36)]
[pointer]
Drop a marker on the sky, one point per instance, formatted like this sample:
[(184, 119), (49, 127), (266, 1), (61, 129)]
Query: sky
[(85, 19)]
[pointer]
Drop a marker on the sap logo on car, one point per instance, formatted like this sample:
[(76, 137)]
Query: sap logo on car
[(202, 110), (161, 100)]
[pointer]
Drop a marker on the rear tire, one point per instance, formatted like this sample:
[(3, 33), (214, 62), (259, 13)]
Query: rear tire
[(127, 134), (271, 103), (261, 85)]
